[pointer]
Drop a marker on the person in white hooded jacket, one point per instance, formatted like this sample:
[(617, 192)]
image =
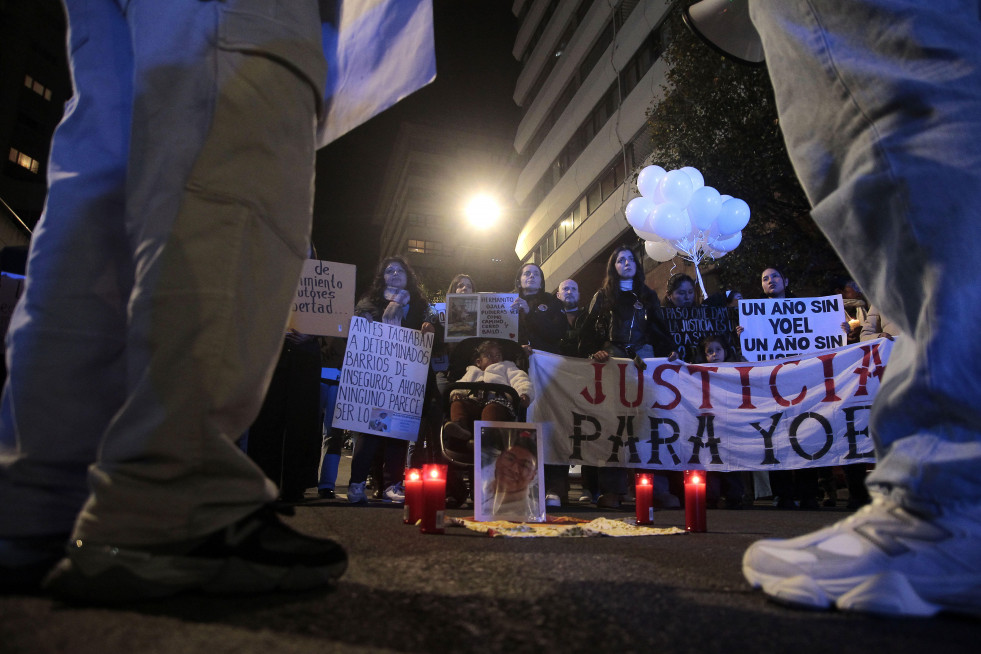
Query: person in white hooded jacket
[(466, 406)]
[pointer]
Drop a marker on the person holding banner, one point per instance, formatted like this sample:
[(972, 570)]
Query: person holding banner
[(622, 322), (394, 298), (541, 326), (788, 484), (715, 348), (880, 104)]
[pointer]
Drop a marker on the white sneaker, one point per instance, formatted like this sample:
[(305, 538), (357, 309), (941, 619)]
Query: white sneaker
[(552, 500), (355, 493), (395, 493), (586, 497), (884, 559)]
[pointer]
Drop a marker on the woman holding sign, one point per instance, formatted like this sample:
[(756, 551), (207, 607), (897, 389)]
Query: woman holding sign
[(622, 321), (395, 299)]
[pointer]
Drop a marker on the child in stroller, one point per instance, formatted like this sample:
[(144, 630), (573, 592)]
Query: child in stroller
[(474, 403)]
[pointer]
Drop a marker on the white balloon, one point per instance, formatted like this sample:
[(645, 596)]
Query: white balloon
[(637, 211), (697, 180), (669, 222), (676, 187), (733, 216), (704, 206), (648, 180), (646, 234), (728, 243), (659, 250)]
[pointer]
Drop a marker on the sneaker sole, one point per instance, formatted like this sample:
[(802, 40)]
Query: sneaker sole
[(103, 578), (886, 594)]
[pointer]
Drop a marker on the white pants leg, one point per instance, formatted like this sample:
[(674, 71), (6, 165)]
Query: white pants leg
[(880, 105)]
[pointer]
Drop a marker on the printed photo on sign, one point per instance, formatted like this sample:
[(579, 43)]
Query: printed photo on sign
[(784, 327), (485, 315), (509, 472), (461, 316), (324, 301), (383, 379)]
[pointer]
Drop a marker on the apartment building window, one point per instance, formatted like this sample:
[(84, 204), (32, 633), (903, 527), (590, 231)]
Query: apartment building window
[(424, 247), (634, 70), (563, 42), (23, 160), (37, 87), (599, 191)]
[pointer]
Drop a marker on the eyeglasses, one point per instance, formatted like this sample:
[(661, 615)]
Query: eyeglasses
[(394, 271)]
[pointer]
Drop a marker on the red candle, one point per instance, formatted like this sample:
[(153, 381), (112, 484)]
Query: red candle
[(644, 492), (412, 509), (434, 498), (694, 501)]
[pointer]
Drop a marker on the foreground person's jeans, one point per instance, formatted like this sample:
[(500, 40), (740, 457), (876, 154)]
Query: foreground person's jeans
[(161, 273), (880, 105)]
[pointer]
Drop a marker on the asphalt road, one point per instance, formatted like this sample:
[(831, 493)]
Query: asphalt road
[(466, 592)]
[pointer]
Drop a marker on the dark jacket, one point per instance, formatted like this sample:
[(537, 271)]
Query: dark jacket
[(633, 321), (569, 343), (544, 324)]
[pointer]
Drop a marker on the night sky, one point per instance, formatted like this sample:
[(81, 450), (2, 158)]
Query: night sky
[(475, 78)]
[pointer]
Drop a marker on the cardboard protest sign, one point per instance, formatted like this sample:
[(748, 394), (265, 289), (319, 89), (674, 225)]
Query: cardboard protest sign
[(324, 301), (11, 286), (486, 315), (688, 325), (509, 479), (383, 379), (779, 328), (800, 412)]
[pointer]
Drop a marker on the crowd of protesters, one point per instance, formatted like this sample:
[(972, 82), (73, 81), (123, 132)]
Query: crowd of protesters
[(623, 319)]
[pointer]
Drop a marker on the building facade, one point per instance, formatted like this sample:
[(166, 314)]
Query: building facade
[(591, 71)]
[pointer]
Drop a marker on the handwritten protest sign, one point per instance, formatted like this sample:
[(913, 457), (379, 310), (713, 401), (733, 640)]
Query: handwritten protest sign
[(324, 301), (805, 411), (11, 286), (779, 328), (487, 315), (383, 379), (688, 325)]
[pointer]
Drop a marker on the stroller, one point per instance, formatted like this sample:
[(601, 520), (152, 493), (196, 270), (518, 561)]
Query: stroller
[(456, 453)]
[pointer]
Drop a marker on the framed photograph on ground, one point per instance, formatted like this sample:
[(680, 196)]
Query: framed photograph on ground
[(509, 471)]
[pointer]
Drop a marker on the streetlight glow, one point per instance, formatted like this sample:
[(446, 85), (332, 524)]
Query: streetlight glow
[(482, 211)]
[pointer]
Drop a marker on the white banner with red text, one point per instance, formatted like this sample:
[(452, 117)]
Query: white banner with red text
[(798, 412)]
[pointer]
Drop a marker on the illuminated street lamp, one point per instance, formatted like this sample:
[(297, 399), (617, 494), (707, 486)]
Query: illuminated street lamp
[(483, 211)]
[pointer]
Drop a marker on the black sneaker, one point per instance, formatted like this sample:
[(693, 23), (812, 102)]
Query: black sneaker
[(258, 553)]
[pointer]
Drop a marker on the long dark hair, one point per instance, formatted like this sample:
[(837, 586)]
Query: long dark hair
[(611, 283), (517, 278), (377, 290)]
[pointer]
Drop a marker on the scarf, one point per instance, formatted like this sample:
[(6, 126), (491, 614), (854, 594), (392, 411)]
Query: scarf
[(397, 308)]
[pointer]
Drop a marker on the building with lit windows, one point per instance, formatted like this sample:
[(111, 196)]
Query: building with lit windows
[(590, 72), (34, 85)]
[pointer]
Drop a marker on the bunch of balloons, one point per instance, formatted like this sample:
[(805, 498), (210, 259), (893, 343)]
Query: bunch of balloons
[(677, 214)]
